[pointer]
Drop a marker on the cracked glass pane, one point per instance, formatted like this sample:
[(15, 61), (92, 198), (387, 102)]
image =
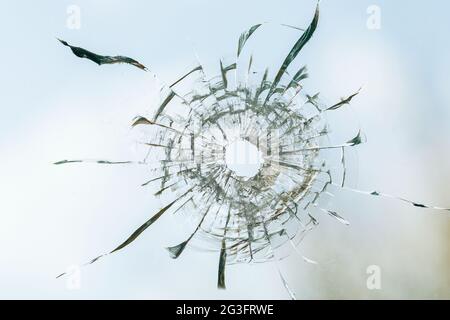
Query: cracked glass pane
[(246, 159)]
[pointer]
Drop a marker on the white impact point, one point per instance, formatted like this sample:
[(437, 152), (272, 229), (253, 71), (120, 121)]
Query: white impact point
[(243, 158)]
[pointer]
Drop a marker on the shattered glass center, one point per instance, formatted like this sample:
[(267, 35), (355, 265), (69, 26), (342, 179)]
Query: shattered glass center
[(243, 158)]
